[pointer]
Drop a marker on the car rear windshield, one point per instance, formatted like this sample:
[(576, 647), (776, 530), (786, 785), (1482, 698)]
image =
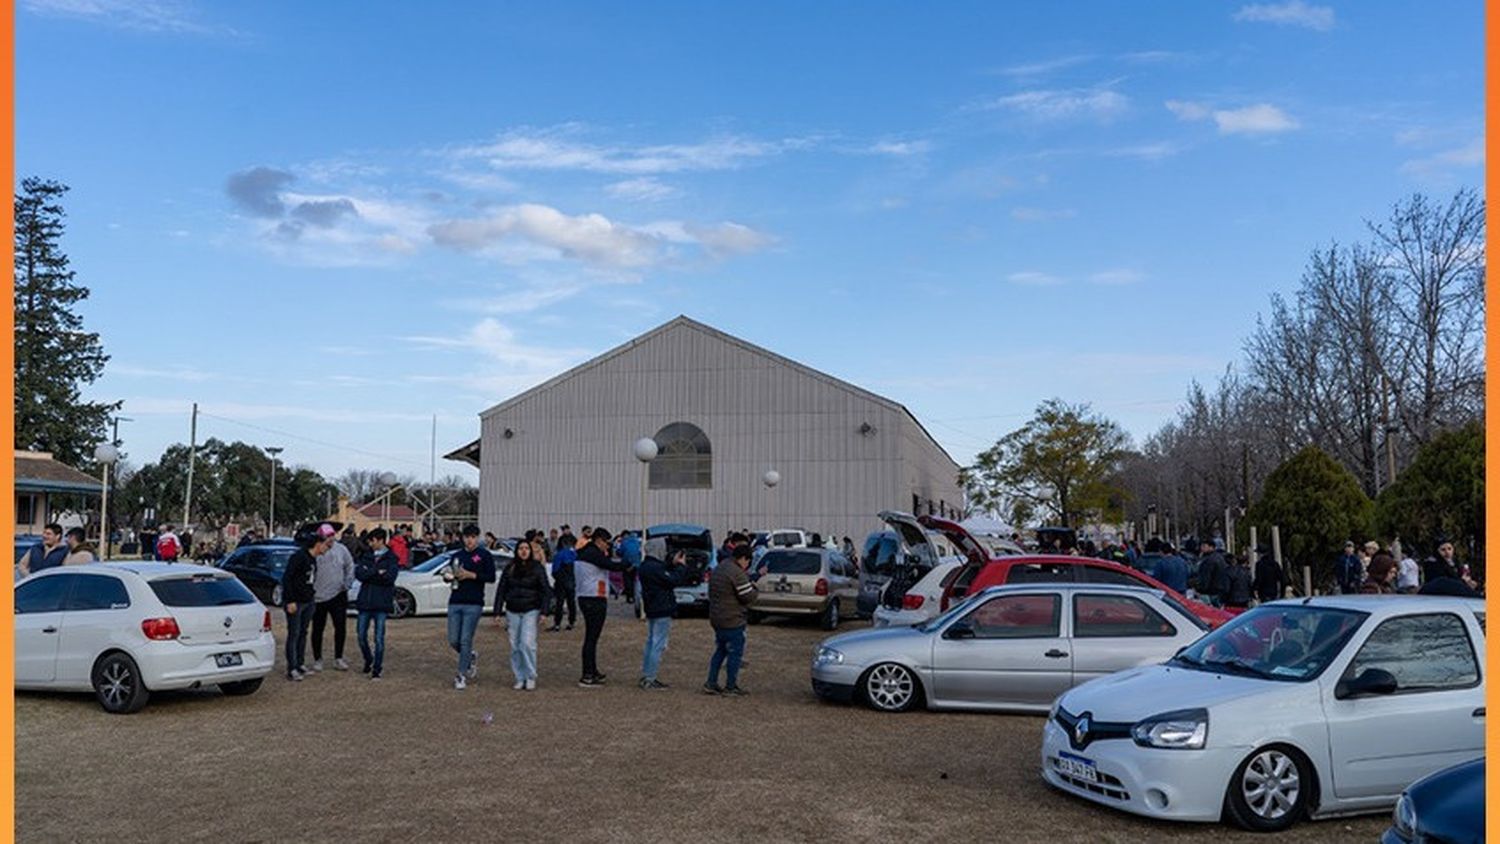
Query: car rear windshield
[(201, 591), (792, 562)]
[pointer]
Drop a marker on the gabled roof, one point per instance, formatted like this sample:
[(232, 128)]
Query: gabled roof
[(37, 471), (683, 321)]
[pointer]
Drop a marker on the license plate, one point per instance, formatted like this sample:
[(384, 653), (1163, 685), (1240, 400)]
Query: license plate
[(227, 660), (783, 587), (686, 596), (1077, 767)]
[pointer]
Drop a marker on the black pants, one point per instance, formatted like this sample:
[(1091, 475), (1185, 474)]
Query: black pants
[(337, 607), (594, 610), (562, 596), (630, 586)]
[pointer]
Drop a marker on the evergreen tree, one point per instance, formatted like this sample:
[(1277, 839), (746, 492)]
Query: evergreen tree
[(54, 355), (1318, 505), (1439, 496)]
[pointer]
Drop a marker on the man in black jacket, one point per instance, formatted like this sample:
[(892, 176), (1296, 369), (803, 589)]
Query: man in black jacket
[(658, 598), (297, 595), (1213, 573), (1270, 579), (376, 572), (591, 582)]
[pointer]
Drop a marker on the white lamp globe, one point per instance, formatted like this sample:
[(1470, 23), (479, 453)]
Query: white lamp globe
[(645, 449), (771, 478), (106, 453)]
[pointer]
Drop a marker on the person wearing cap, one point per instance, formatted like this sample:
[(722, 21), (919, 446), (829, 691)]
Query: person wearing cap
[(660, 578), (333, 574), (297, 595), (1348, 571), (473, 566), (591, 583)]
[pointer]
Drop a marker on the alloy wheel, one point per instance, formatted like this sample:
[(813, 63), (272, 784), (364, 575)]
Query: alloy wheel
[(118, 684), (406, 605), (1271, 784), (890, 687)]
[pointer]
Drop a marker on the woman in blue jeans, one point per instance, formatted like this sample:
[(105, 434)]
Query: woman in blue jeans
[(473, 566), (522, 594)]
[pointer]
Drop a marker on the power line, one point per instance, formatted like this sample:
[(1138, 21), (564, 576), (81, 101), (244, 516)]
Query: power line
[(281, 433)]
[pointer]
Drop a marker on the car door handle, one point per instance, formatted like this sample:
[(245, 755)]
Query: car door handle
[(1479, 713), (1055, 654), (49, 629)]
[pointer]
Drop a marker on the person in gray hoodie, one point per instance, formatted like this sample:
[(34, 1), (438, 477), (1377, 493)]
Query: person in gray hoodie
[(332, 577)]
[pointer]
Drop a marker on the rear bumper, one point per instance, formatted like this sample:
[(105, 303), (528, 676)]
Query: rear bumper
[(784, 604), (885, 617), (172, 665), (696, 596)]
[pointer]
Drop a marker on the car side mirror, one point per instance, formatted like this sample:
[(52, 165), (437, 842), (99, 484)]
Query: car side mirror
[(1371, 681), (959, 630)]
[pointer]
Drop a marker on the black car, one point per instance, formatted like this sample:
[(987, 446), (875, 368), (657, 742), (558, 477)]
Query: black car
[(260, 566), (1447, 806)]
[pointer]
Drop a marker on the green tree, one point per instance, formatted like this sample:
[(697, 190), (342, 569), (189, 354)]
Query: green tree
[(1062, 464), (231, 483), (1441, 494), (1318, 505), (54, 355)]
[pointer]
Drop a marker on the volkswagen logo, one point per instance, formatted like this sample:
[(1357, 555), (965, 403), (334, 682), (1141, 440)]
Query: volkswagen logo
[(1081, 731), (228, 622)]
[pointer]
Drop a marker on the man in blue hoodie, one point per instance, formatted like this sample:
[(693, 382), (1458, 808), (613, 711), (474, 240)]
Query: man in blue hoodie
[(562, 582), (473, 566)]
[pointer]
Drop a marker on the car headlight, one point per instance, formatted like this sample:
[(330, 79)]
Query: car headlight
[(1184, 729), (828, 656), (1404, 819)]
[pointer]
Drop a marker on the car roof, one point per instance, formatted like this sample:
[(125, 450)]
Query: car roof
[(1070, 587), (1385, 604), (144, 570)]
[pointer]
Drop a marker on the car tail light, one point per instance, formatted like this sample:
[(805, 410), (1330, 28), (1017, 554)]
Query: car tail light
[(265, 623), (705, 576), (161, 629), (822, 587), (912, 602)]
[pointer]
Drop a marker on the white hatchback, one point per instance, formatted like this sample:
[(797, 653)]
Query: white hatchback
[(923, 600), (124, 630), (1309, 708)]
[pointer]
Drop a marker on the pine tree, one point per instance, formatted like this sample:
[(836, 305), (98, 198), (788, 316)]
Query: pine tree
[(54, 355)]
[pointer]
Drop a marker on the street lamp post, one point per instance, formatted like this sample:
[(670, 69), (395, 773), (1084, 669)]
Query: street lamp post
[(645, 450), (106, 454), (272, 450), (388, 480), (771, 478)]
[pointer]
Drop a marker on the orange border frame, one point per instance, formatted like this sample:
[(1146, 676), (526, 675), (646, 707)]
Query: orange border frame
[(1491, 387), (8, 467)]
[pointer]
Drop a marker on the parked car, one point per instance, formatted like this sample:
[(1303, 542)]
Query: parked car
[(1308, 708), (921, 600), (806, 581), (260, 566), (125, 630), (1008, 648), (421, 589), (1446, 807), (698, 544)]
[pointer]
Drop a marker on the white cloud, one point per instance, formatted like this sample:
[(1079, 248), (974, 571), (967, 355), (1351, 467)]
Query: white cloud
[(1146, 152), (1291, 13), (1046, 66), (1041, 215), (723, 240), (558, 149), (900, 149), (1117, 277), (506, 365), (1049, 105), (141, 15), (1467, 156), (1034, 279), (643, 189), (1258, 119)]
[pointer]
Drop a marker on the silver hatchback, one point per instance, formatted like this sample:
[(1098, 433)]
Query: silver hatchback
[(1007, 648)]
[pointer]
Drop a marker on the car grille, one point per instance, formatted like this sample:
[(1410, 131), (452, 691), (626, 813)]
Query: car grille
[(1098, 730), (1107, 786)]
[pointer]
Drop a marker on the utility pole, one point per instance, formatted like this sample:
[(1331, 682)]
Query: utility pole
[(432, 472), (187, 500), (273, 450), (1390, 430)]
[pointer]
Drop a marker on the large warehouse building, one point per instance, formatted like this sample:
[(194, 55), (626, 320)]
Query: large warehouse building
[(723, 413)]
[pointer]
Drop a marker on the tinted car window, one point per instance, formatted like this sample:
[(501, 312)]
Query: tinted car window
[(97, 592), (201, 591), (263, 559), (1100, 574), (45, 594), (1117, 615), (1041, 573), (792, 562), (1424, 652), (1017, 617), (880, 553)]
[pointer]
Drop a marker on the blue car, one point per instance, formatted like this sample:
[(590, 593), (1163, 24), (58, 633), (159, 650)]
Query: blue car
[(260, 566), (1447, 806)]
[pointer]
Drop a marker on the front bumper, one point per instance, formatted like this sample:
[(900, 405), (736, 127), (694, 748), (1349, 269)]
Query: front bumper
[(172, 665), (836, 681), (1182, 785)]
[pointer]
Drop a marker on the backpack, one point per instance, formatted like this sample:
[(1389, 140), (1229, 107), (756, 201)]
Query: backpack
[(166, 547)]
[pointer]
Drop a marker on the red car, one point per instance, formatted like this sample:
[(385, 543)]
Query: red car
[(982, 571)]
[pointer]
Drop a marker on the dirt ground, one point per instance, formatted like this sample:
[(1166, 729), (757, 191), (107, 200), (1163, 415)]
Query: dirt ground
[(338, 756)]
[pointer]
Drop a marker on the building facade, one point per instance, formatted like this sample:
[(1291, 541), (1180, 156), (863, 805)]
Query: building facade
[(723, 413)]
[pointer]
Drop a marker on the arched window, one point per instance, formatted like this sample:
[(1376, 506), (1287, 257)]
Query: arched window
[(684, 459)]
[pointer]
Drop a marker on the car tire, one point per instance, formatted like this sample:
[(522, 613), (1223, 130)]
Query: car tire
[(118, 685), (240, 688), (405, 604), (889, 687), (1270, 789), (830, 616)]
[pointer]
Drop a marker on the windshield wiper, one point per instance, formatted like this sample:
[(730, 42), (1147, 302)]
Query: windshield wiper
[(1236, 662)]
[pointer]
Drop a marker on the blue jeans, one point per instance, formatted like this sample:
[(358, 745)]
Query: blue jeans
[(728, 645), (657, 632), (296, 636), (522, 629), (463, 620), (375, 660)]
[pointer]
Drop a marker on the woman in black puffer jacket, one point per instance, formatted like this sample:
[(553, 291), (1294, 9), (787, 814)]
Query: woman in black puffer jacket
[(522, 594)]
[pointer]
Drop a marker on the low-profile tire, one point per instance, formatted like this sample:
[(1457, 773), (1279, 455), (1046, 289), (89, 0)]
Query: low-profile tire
[(118, 684), (240, 688), (755, 617), (1270, 790), (889, 687), (405, 604), (830, 616)]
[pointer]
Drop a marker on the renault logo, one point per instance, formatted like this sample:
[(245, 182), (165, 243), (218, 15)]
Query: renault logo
[(1081, 731)]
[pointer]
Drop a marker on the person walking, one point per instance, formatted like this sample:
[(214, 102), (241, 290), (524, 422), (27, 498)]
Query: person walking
[(473, 566), (1348, 571), (521, 596), (168, 546), (376, 573), (659, 580), (1238, 584), (1213, 573), (297, 595), (563, 584), (1270, 578), (333, 575), (591, 584), (79, 551), (730, 594)]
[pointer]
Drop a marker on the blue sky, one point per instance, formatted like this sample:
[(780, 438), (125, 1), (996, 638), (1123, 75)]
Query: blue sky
[(328, 222)]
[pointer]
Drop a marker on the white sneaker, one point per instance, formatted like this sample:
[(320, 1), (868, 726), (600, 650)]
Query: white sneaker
[(520, 685), (317, 665), (459, 684), (473, 665), (530, 685), (341, 664)]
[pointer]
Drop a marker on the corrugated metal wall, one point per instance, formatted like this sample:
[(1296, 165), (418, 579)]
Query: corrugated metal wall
[(569, 458)]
